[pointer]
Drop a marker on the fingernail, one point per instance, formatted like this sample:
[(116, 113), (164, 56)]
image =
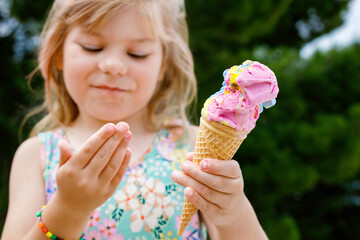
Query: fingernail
[(128, 152), (121, 127), (189, 191), (204, 164), (110, 127), (127, 136), (175, 174)]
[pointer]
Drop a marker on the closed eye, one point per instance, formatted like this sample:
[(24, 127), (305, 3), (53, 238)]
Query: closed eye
[(91, 49), (138, 56)]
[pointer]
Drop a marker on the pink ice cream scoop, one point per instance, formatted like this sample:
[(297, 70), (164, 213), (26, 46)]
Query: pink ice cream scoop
[(247, 88)]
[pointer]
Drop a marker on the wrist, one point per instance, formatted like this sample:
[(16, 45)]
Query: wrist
[(69, 208), (64, 221), (243, 226), (46, 231)]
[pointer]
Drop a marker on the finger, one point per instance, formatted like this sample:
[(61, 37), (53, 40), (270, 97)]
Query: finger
[(198, 201), (120, 173), (92, 145), (65, 152), (114, 164), (215, 197), (189, 156), (230, 169), (103, 155), (216, 182)]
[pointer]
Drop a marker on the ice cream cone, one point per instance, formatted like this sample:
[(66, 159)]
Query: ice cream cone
[(214, 140), (230, 114)]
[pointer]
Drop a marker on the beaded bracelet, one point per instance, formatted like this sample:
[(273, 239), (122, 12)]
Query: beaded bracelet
[(47, 233)]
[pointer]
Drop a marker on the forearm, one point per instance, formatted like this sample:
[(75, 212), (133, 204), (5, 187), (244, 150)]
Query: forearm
[(247, 226), (60, 220)]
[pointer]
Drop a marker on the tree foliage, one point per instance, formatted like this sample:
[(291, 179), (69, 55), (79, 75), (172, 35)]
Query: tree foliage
[(301, 163)]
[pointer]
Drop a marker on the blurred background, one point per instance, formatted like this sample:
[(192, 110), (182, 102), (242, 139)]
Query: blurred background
[(301, 164)]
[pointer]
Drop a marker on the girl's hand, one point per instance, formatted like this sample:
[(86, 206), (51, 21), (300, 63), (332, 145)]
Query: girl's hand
[(215, 188), (88, 177)]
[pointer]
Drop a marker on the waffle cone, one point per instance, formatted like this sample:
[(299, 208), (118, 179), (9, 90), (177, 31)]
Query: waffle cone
[(214, 140)]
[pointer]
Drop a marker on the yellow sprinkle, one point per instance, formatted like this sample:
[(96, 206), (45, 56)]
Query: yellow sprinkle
[(225, 123), (234, 73), (222, 100)]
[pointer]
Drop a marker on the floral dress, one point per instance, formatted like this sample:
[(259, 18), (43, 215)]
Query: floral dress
[(147, 203)]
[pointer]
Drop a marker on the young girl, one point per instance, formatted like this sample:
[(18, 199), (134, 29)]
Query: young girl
[(111, 66)]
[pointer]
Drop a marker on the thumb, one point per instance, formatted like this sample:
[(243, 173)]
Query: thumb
[(65, 152)]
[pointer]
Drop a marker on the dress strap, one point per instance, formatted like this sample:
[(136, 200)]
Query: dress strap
[(50, 155)]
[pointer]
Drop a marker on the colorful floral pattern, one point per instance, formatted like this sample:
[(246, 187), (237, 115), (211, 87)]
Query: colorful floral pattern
[(147, 203)]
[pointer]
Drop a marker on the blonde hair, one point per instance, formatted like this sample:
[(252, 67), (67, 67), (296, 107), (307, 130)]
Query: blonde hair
[(173, 94)]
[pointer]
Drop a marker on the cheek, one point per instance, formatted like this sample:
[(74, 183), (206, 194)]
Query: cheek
[(150, 74), (148, 88), (75, 67), (74, 80), (72, 88)]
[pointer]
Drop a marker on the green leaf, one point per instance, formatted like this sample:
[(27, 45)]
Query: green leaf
[(117, 214), (142, 200), (162, 221), (158, 232), (169, 188)]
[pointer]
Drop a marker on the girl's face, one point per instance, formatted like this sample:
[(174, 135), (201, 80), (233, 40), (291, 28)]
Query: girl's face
[(112, 74)]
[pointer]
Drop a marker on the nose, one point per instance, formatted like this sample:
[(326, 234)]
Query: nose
[(112, 64)]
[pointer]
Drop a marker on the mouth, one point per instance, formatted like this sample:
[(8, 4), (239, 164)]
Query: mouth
[(109, 88)]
